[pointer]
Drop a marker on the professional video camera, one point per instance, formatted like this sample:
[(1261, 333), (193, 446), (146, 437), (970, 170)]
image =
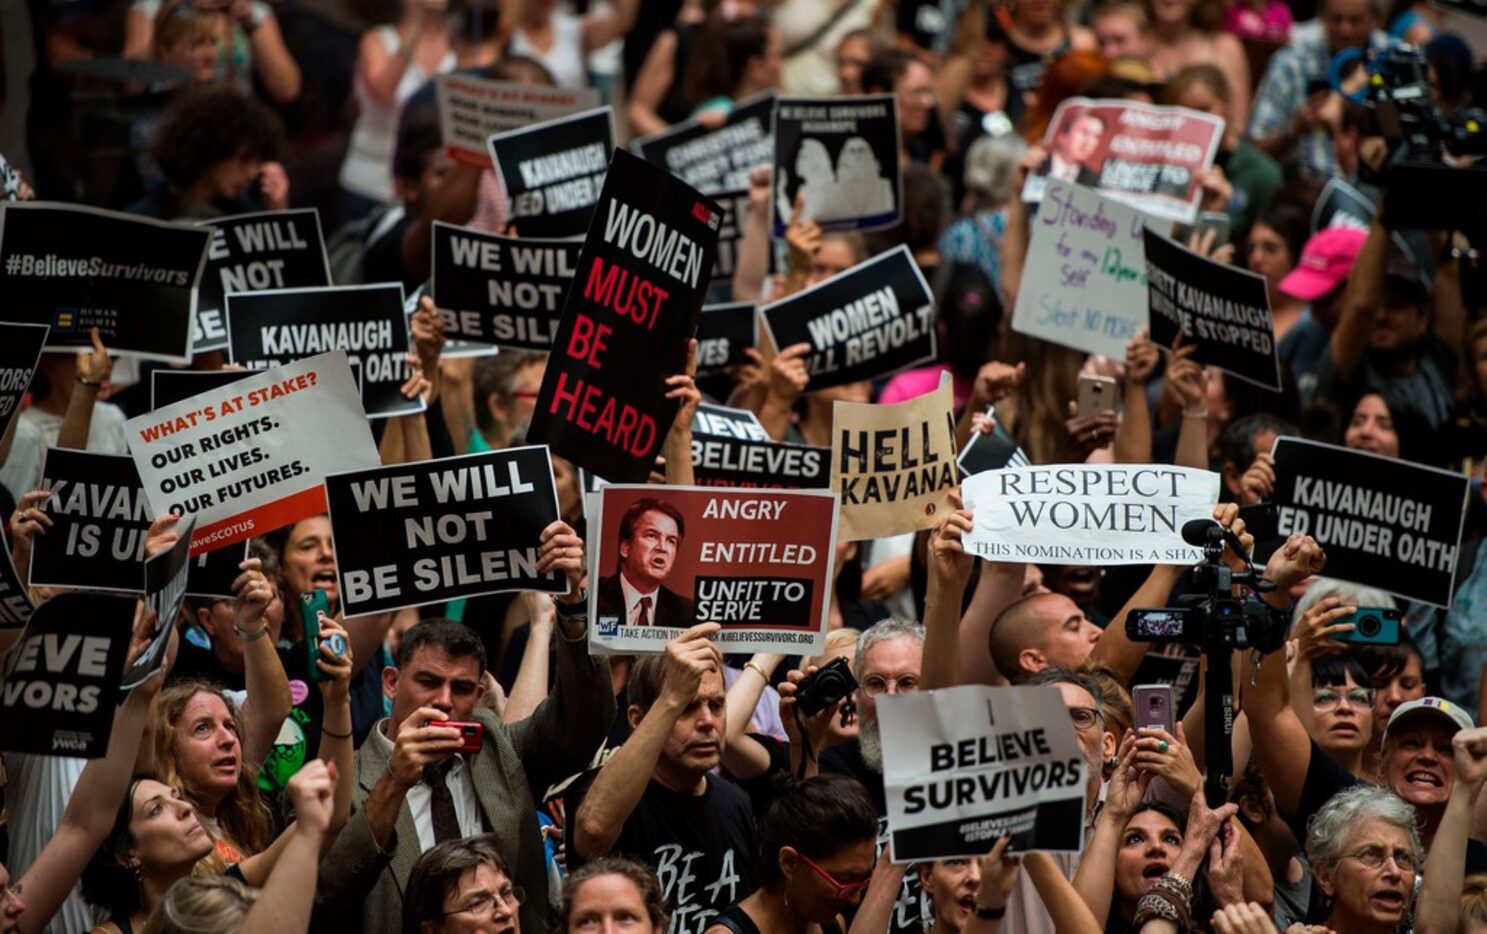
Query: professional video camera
[(1394, 84), (1217, 622)]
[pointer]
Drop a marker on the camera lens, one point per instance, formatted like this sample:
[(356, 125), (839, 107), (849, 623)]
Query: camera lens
[(1369, 626)]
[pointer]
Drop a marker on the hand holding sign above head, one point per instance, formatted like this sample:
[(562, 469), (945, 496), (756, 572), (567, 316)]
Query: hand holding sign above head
[(995, 381), (95, 366), (998, 876), (950, 564), (426, 327), (162, 535), (688, 657), (253, 595), (28, 522), (139, 643), (1142, 357), (1258, 481), (562, 550), (803, 237)]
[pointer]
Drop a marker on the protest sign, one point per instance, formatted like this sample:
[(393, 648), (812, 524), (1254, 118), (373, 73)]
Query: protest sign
[(77, 268), (720, 160), (724, 422), (1084, 282), (20, 352), (165, 589), (171, 386), (15, 602), (632, 307), (724, 332), (62, 677), (871, 320), (454, 347), (1342, 205), (1383, 522), (410, 535), (894, 465), (1092, 514), (250, 457), (269, 329), (756, 562), (254, 252), (991, 451), (553, 172), (964, 766), (500, 290), (731, 449), (1222, 309), (471, 109), (839, 157), (1149, 157), (99, 518)]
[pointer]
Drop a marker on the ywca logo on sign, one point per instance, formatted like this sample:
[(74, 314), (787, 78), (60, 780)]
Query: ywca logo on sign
[(71, 741), (701, 212)]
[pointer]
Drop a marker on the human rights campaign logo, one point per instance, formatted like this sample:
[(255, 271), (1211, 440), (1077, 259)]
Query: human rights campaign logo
[(65, 320)]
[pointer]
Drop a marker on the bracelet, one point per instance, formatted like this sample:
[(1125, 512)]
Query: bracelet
[(90, 382), (988, 913), (252, 635), (1174, 883), (759, 668), (333, 735), (1202, 414), (1158, 904)]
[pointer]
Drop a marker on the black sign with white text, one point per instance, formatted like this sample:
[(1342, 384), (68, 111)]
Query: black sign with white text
[(99, 518), (731, 448), (720, 160), (872, 320), (62, 677), (632, 307), (553, 172), (839, 157), (1383, 522), (992, 450), (413, 534), (269, 329), (15, 602), (77, 268), (254, 252), (1225, 310), (165, 589), (500, 290), (724, 332), (20, 352)]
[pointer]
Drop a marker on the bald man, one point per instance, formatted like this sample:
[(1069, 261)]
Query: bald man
[(1041, 631)]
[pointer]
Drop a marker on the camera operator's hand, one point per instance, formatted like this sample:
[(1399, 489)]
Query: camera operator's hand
[(1227, 515), (1225, 870), (1373, 152), (1299, 558), (1204, 826), (1315, 634), (1161, 753)]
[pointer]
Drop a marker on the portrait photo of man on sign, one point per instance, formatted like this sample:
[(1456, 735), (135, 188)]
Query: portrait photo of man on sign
[(651, 534)]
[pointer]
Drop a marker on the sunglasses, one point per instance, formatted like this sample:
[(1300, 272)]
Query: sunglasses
[(845, 891)]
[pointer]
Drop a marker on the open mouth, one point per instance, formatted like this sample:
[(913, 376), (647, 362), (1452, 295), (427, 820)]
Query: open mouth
[(1154, 871), (1390, 899), (225, 764), (323, 580), (1345, 728), (967, 903)]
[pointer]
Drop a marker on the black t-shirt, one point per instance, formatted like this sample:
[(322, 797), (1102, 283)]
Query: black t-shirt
[(701, 846), (299, 737)]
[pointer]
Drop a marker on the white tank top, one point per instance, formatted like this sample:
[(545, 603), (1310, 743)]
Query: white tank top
[(367, 170), (565, 59)]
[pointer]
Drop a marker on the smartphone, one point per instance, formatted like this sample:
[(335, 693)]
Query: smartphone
[(1154, 706), (311, 605), (471, 732), (1218, 222), (1098, 395), (1261, 520), (1372, 625)]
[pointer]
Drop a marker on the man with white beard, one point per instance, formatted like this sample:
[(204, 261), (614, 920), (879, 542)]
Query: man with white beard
[(889, 659)]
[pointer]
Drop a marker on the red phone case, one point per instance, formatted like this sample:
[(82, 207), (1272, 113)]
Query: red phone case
[(473, 733)]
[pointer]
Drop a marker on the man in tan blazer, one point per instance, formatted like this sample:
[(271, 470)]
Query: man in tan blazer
[(414, 786)]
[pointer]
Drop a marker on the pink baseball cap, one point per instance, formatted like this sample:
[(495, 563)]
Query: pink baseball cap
[(1325, 262)]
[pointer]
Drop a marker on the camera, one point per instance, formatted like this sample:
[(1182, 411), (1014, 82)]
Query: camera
[(1394, 85), (831, 682), (1234, 624), (1372, 625)]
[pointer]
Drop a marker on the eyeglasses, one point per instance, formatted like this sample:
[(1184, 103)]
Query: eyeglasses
[(485, 903), (1374, 856), (845, 891), (877, 684), (1326, 699), (10, 893), (1084, 718)]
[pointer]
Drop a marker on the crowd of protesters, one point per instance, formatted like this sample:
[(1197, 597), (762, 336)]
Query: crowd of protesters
[(680, 791)]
